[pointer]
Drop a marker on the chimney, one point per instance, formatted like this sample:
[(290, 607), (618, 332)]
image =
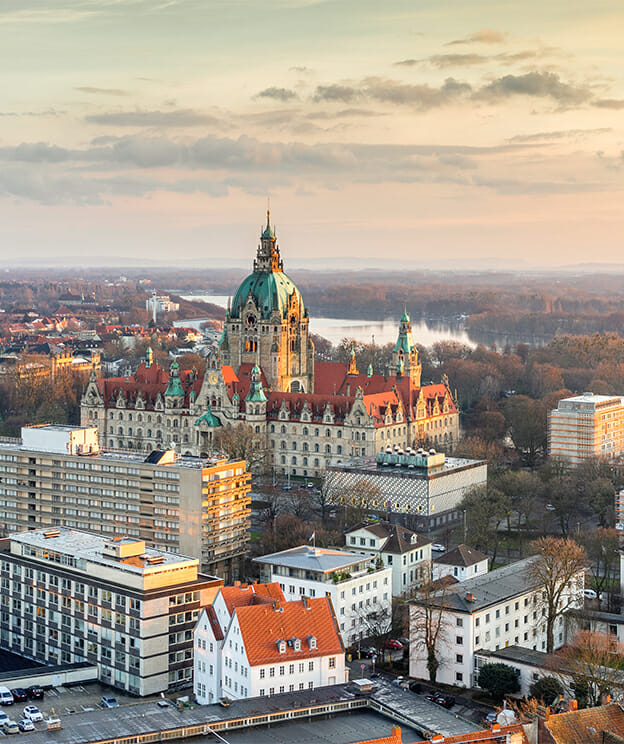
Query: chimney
[(572, 705), (437, 739), (496, 727), (237, 583), (306, 604), (470, 597), (396, 735)]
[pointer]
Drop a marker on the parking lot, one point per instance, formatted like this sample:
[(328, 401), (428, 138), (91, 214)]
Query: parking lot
[(65, 701)]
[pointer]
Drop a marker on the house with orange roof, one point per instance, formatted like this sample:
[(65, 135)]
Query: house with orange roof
[(251, 642)]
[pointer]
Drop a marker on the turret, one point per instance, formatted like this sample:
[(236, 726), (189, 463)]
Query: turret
[(268, 256), (405, 354)]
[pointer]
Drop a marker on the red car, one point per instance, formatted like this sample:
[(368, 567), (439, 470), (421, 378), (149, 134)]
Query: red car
[(394, 645)]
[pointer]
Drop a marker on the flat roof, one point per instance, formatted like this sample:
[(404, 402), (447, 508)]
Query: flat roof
[(369, 465), (320, 560), (519, 654), (591, 398), (90, 547)]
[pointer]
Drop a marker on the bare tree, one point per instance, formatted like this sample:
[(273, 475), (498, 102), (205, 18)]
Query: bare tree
[(595, 663), (241, 442), (603, 549), (428, 621), (555, 569)]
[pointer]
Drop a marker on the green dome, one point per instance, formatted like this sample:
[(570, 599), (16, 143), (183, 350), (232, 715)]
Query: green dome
[(270, 290)]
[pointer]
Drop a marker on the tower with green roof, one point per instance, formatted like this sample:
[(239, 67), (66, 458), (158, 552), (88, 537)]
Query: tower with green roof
[(174, 394), (405, 354), (267, 323)]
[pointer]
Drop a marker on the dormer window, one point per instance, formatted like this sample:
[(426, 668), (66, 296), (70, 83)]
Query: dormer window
[(281, 646), (296, 644), (312, 642)]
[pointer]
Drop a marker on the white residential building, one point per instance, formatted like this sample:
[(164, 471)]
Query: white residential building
[(407, 553), (492, 611), (252, 643), (353, 582), (462, 563)]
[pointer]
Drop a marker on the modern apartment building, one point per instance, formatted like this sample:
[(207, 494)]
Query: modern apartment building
[(355, 584), (69, 596), (489, 612), (252, 643), (407, 553), (57, 476), (586, 426)]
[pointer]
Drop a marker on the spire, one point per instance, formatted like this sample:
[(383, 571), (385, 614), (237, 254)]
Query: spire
[(353, 370), (369, 371), (256, 392), (175, 386), (149, 357), (268, 256)]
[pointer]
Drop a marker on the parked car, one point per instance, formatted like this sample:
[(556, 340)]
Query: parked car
[(35, 692), (590, 594), (33, 713), (5, 696), (446, 701), (404, 641), (438, 547), (490, 718), (368, 653), (108, 701), (10, 727), (25, 725), (415, 686), (550, 508), (3, 718), (393, 644), (398, 681), (19, 695)]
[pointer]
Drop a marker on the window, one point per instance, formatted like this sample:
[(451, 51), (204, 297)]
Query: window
[(459, 677), (332, 662), (459, 659), (460, 622)]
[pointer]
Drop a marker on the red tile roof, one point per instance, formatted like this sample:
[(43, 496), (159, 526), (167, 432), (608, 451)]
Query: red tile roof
[(516, 736), (263, 625), (586, 726), (214, 622), (245, 595)]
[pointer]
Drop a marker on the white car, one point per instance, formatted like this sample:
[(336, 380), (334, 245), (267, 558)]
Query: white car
[(590, 594), (33, 713), (3, 718), (438, 547)]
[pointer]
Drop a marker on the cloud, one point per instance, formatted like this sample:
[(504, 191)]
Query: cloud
[(456, 60), (484, 36), (301, 69), (101, 91), (46, 112), (609, 103), (535, 84), (280, 94), (339, 93), (180, 118), (557, 135), (421, 96)]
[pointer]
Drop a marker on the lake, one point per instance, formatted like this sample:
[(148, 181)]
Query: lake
[(425, 332)]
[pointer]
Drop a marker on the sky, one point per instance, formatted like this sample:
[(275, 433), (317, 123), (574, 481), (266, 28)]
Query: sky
[(426, 134)]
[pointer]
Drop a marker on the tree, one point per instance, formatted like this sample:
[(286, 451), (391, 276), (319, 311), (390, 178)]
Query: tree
[(602, 546), (428, 622), (546, 689), (555, 569), (241, 442), (522, 489), (601, 496), (526, 423), (486, 509), (595, 662), (499, 680)]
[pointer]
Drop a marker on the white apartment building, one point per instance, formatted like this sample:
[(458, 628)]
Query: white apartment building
[(492, 611), (407, 553), (68, 596), (354, 583), (462, 563), (252, 643), (160, 304), (585, 426), (57, 476)]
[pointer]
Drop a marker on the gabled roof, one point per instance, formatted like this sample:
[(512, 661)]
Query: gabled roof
[(214, 622), (398, 539), (262, 626), (586, 726), (245, 595), (462, 555)]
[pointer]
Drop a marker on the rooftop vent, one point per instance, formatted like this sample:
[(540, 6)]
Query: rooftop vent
[(51, 533), (154, 560)]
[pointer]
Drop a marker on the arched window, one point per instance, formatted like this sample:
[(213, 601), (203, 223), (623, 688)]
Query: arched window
[(186, 437), (305, 460), (316, 462), (129, 417), (328, 432), (149, 433), (140, 417), (294, 445), (282, 445), (328, 448), (316, 432), (283, 429), (339, 449), (120, 431), (305, 431), (120, 416), (294, 461), (175, 423), (339, 433), (272, 428), (363, 436), (305, 446), (316, 448), (129, 431), (159, 434), (283, 459)]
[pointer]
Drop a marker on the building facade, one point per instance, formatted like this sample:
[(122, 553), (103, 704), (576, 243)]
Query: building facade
[(423, 486), (406, 553), (461, 563), (356, 584), (310, 414), (489, 612), (70, 596), (252, 643), (586, 426), (58, 476)]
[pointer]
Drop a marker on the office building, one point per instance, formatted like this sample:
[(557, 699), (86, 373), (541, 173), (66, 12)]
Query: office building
[(69, 596), (586, 426), (58, 476)]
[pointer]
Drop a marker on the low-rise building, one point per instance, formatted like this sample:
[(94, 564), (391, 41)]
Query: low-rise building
[(356, 584), (407, 553), (251, 642), (489, 612), (68, 596), (57, 476), (424, 486), (462, 563)]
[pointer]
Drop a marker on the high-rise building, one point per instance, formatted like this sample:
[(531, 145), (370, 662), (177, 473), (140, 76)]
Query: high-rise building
[(586, 426), (58, 476), (70, 596)]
